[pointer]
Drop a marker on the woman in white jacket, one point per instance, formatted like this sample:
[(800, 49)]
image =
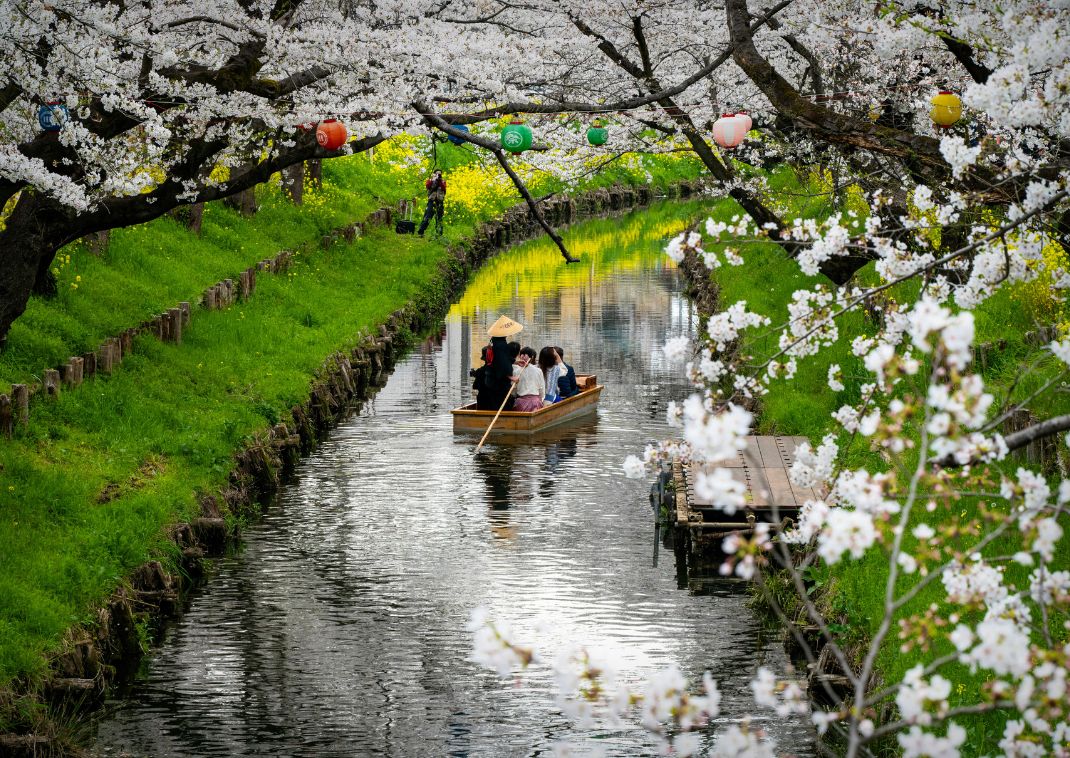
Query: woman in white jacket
[(531, 385)]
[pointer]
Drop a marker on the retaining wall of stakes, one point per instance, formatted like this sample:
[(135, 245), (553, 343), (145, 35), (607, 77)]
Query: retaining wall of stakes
[(93, 656), (167, 326)]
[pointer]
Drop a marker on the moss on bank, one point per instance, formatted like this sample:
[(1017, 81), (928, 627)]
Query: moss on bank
[(88, 491)]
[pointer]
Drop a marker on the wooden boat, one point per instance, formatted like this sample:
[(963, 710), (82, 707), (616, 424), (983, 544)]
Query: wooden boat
[(468, 419)]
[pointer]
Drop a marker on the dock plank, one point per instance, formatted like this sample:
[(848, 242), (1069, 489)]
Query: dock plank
[(762, 469)]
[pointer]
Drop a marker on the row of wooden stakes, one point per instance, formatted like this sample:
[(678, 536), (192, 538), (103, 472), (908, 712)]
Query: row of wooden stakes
[(167, 326)]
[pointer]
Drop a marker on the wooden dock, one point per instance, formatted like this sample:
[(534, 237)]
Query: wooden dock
[(770, 497)]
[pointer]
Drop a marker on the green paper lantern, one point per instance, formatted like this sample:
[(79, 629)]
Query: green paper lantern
[(516, 137), (597, 134)]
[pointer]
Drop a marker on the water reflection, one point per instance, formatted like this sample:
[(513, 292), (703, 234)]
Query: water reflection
[(339, 629)]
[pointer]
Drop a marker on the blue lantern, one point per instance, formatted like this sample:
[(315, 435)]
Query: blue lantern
[(52, 116), (457, 140)]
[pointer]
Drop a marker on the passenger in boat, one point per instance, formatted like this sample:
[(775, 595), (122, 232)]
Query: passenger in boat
[(553, 368), (566, 384), (479, 374), (530, 385)]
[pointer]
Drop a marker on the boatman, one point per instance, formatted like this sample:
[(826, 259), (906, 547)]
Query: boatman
[(497, 378)]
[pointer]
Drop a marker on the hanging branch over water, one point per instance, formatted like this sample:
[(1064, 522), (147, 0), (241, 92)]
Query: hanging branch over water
[(435, 120)]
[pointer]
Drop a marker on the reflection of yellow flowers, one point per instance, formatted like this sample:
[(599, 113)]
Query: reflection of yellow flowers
[(605, 246)]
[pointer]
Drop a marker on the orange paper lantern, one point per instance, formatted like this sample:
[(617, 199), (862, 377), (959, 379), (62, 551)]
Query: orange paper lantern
[(331, 134)]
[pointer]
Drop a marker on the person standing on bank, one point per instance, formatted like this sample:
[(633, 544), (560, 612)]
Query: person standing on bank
[(436, 202), (497, 379)]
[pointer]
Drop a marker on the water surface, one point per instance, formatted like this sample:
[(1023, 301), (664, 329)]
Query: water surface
[(339, 627)]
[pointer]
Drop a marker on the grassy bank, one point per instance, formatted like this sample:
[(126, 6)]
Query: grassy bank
[(87, 492), (853, 591)]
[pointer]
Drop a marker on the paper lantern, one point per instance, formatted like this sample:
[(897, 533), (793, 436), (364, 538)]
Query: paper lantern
[(52, 116), (516, 137), (457, 140), (748, 122), (728, 131), (331, 134), (598, 134), (946, 110)]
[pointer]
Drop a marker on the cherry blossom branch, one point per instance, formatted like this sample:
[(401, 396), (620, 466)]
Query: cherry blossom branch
[(866, 294), (962, 710), (438, 122), (862, 682)]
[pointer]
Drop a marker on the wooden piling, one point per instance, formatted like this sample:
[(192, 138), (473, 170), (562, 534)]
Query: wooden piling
[(7, 418), (105, 358), (78, 368), (186, 312), (66, 374), (20, 397), (174, 325), (50, 381)]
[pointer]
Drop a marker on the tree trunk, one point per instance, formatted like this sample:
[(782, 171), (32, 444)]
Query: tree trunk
[(190, 216), (293, 179), (26, 249), (315, 173), (243, 202), (97, 242)]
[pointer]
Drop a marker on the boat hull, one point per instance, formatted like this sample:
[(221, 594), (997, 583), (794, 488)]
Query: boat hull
[(468, 419)]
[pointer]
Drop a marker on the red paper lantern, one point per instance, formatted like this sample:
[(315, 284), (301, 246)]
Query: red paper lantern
[(747, 121), (729, 131), (331, 134)]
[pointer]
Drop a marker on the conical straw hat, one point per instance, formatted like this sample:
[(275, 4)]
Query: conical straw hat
[(505, 327)]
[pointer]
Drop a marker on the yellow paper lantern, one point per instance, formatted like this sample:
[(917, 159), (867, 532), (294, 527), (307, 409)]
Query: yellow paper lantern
[(947, 109)]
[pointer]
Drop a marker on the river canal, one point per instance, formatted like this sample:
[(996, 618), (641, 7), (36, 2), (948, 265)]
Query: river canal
[(338, 629)]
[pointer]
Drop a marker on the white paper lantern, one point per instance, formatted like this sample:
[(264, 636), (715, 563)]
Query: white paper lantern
[(729, 131)]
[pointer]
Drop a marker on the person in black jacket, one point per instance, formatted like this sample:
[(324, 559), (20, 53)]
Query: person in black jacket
[(436, 203), (496, 380)]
